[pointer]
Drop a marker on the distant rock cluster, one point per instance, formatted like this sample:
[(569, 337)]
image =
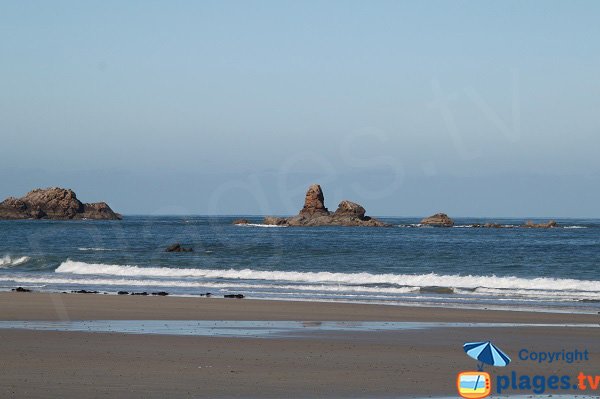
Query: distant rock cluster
[(443, 220), (62, 204), (314, 213), (54, 203)]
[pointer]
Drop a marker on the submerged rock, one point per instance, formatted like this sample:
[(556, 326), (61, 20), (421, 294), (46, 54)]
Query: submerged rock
[(237, 296), (314, 213), (54, 203), (178, 248), (438, 220), (160, 293)]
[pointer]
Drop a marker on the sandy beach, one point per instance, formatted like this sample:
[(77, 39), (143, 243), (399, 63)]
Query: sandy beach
[(404, 363)]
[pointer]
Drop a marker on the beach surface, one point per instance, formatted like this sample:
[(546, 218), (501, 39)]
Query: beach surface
[(333, 364)]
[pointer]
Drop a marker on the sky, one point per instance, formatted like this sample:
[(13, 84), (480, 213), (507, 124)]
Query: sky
[(473, 108)]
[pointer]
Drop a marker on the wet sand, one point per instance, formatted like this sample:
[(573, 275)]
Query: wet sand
[(41, 306), (406, 363)]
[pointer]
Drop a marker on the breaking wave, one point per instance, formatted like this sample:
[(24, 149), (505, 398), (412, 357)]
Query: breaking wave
[(473, 282), (7, 261)]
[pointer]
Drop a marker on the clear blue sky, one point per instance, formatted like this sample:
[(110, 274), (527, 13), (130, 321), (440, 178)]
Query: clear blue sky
[(479, 108)]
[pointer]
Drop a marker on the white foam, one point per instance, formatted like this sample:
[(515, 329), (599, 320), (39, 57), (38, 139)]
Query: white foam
[(410, 280), (310, 289), (533, 293), (575, 227), (95, 249), (7, 261), (98, 281)]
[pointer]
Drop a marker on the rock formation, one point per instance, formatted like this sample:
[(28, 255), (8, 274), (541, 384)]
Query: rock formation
[(314, 213), (438, 220), (241, 221), (54, 203), (314, 202), (349, 208)]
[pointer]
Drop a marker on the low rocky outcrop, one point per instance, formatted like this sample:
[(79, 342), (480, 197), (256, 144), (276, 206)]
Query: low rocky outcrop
[(548, 225), (54, 203), (438, 220), (275, 221), (493, 226), (441, 221), (314, 213), (178, 248), (241, 221), (490, 225)]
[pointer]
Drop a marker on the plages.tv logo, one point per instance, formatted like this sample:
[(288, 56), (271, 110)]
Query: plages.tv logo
[(478, 384)]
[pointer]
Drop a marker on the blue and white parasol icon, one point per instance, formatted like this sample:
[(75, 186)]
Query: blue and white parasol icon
[(486, 353)]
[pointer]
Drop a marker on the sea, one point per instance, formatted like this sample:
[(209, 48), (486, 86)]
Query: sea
[(547, 270)]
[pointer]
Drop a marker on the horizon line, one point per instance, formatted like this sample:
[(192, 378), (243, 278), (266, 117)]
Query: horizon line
[(374, 216)]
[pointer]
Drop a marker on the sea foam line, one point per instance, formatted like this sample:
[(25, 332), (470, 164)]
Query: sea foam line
[(95, 249), (259, 225), (421, 280), (310, 289), (298, 291)]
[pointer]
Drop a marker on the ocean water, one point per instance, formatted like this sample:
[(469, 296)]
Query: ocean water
[(540, 269)]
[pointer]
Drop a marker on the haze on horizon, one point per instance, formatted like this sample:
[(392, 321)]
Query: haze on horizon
[(473, 108)]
